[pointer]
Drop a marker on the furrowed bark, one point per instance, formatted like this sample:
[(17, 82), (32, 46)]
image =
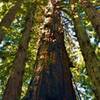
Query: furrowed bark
[(14, 84), (8, 18), (52, 80)]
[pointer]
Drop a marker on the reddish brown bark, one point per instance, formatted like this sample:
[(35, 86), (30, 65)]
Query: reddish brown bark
[(14, 84), (52, 80)]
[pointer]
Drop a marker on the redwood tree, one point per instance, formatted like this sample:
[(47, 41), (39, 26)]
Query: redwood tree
[(14, 84), (91, 62), (52, 76)]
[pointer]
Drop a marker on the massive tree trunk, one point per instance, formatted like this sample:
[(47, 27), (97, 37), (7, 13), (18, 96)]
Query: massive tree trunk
[(92, 63), (52, 80), (92, 14), (14, 84), (8, 18)]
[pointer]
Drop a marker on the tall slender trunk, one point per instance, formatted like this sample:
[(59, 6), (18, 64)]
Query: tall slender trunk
[(92, 14), (92, 63), (9, 17), (52, 80), (14, 84)]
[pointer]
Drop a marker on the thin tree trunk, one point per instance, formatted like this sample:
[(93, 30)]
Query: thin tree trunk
[(14, 84), (8, 18), (92, 63), (92, 14), (52, 80)]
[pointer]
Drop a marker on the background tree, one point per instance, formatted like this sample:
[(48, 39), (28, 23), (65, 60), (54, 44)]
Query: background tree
[(14, 84), (8, 18), (93, 15), (90, 59)]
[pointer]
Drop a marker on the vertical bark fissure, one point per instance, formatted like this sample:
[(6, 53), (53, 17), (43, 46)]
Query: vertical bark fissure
[(52, 80), (14, 84)]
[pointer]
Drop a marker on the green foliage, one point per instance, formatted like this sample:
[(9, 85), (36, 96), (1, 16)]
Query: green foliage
[(9, 45)]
